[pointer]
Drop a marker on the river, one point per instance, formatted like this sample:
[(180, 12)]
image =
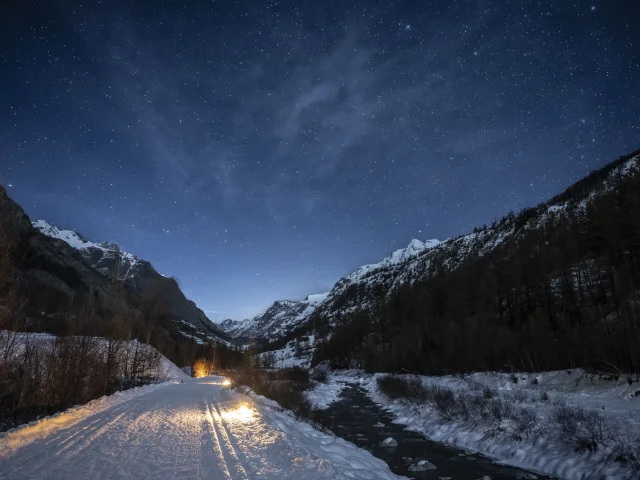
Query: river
[(356, 418)]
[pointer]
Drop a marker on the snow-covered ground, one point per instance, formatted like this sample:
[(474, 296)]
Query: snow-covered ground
[(197, 429), (540, 451), (296, 353), (325, 393)]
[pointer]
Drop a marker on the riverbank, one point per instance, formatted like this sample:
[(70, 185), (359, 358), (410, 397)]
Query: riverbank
[(540, 444)]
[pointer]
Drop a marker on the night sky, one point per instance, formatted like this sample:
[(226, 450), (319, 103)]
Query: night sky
[(260, 150)]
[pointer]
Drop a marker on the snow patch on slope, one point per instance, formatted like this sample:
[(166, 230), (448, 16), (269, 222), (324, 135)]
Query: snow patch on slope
[(198, 335), (317, 298), (296, 353), (76, 241), (415, 248)]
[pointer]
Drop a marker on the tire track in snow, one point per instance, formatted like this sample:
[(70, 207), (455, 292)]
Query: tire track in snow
[(89, 437), (231, 456), (57, 445), (232, 443), (222, 460)]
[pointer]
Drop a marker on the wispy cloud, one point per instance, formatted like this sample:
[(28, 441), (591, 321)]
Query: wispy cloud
[(256, 143)]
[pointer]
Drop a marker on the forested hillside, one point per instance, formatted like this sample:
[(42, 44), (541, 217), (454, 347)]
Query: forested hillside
[(551, 287)]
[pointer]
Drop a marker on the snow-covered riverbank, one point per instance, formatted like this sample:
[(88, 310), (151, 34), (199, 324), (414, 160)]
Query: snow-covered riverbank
[(615, 401)]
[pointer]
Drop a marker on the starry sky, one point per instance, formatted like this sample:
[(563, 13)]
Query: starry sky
[(261, 150)]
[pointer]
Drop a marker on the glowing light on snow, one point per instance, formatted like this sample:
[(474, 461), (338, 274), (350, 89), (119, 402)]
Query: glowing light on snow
[(226, 382), (243, 413)]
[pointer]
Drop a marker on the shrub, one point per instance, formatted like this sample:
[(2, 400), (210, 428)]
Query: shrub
[(320, 376), (626, 450), (525, 421), (285, 386), (50, 374), (396, 387), (474, 385), (488, 392), (297, 375), (501, 409), (287, 397), (446, 403), (518, 396), (583, 429), (203, 368)]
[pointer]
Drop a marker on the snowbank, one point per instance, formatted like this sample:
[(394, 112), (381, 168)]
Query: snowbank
[(342, 459), (324, 394)]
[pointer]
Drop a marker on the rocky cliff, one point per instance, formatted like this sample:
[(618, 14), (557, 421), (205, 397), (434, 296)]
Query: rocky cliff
[(58, 268)]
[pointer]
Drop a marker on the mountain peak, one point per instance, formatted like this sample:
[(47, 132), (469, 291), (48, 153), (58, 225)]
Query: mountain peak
[(316, 298), (74, 239), (415, 244), (77, 241), (432, 243)]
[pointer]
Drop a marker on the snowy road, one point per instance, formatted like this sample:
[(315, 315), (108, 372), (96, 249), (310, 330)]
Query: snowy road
[(195, 430)]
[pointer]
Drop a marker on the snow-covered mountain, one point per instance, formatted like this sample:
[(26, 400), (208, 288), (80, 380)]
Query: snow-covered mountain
[(140, 276), (105, 257), (284, 316), (415, 247), (278, 320), (369, 286)]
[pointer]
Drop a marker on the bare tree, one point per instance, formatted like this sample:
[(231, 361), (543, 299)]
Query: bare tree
[(117, 330), (11, 300)]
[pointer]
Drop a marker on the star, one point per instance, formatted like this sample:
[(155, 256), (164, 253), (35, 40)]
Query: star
[(325, 142)]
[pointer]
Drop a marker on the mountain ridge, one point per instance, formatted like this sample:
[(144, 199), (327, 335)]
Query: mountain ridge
[(366, 291), (281, 318), (140, 275), (59, 270)]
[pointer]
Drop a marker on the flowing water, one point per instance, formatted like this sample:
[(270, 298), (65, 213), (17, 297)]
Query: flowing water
[(356, 418)]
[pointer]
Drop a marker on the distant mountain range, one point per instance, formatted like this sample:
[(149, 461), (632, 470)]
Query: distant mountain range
[(286, 316), (279, 320)]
